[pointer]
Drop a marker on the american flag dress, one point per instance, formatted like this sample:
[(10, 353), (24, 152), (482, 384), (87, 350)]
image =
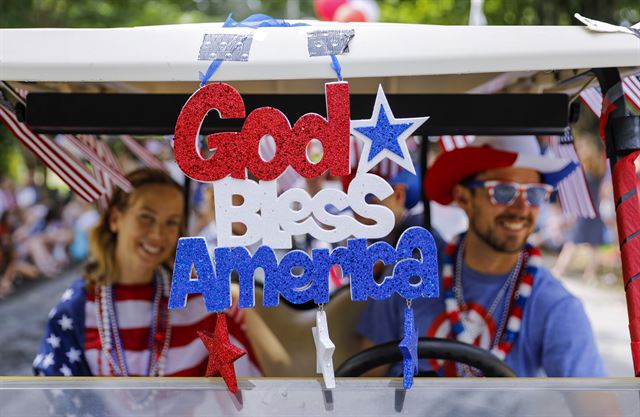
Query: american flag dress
[(71, 344)]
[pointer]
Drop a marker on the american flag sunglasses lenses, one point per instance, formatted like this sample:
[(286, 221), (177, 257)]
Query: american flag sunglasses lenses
[(506, 193)]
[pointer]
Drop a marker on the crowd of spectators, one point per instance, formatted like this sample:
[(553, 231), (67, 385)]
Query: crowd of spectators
[(41, 232)]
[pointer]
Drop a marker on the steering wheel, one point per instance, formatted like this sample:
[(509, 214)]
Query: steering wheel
[(428, 347)]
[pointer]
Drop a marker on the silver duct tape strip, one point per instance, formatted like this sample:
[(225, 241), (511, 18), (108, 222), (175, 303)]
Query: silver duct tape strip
[(225, 47), (329, 42)]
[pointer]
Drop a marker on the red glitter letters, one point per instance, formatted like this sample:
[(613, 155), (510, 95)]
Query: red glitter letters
[(236, 151)]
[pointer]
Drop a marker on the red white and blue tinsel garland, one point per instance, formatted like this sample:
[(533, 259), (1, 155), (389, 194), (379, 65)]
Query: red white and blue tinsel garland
[(523, 285)]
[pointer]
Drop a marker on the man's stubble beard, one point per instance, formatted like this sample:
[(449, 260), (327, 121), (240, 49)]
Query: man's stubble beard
[(495, 242)]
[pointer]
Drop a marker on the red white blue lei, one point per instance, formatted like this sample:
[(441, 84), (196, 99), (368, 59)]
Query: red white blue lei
[(533, 260)]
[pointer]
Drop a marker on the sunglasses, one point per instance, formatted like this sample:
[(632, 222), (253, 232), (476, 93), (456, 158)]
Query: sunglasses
[(505, 193)]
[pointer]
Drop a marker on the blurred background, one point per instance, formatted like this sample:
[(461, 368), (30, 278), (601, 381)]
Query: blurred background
[(43, 226), (104, 13)]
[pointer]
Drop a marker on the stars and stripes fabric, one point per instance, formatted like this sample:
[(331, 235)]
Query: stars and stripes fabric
[(631, 87), (146, 157), (71, 345), (575, 198), (106, 168), (592, 97), (105, 165), (101, 157), (61, 350), (65, 166), (450, 142)]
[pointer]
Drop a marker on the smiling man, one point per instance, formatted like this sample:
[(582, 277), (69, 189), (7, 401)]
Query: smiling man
[(495, 293)]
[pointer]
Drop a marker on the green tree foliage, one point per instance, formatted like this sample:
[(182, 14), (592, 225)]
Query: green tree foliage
[(510, 12), (115, 13), (124, 13), (10, 156)]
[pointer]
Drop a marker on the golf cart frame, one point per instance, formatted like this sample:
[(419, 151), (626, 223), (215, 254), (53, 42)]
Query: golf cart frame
[(135, 80)]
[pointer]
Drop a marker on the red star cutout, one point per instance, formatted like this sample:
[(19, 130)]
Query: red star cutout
[(222, 353)]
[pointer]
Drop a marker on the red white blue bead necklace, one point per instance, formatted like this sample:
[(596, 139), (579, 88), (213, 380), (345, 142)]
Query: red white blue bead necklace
[(502, 345), (108, 329)]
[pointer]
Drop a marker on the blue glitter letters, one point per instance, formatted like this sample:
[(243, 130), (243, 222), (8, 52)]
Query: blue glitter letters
[(300, 278)]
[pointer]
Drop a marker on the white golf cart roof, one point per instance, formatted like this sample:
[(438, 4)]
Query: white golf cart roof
[(142, 57)]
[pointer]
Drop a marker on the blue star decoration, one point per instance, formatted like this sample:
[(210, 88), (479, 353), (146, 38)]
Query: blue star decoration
[(409, 349), (384, 136)]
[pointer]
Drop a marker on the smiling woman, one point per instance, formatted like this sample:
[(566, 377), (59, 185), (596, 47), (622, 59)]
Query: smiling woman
[(115, 321)]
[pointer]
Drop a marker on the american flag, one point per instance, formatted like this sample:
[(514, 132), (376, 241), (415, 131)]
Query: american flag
[(592, 97), (101, 157), (631, 86), (146, 157), (71, 171), (71, 344), (575, 198), (106, 167), (448, 142)]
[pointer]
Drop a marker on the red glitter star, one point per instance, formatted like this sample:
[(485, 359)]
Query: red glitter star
[(222, 353)]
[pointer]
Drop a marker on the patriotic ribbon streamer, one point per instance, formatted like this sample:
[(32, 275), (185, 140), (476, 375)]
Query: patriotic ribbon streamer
[(628, 220), (335, 65), (142, 153), (253, 22), (55, 158)]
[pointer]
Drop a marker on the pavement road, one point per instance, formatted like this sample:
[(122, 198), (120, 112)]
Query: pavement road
[(23, 315)]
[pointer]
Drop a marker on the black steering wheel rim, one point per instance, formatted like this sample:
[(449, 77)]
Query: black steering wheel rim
[(428, 347)]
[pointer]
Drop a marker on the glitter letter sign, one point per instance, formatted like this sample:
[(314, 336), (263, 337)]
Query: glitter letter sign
[(236, 151)]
